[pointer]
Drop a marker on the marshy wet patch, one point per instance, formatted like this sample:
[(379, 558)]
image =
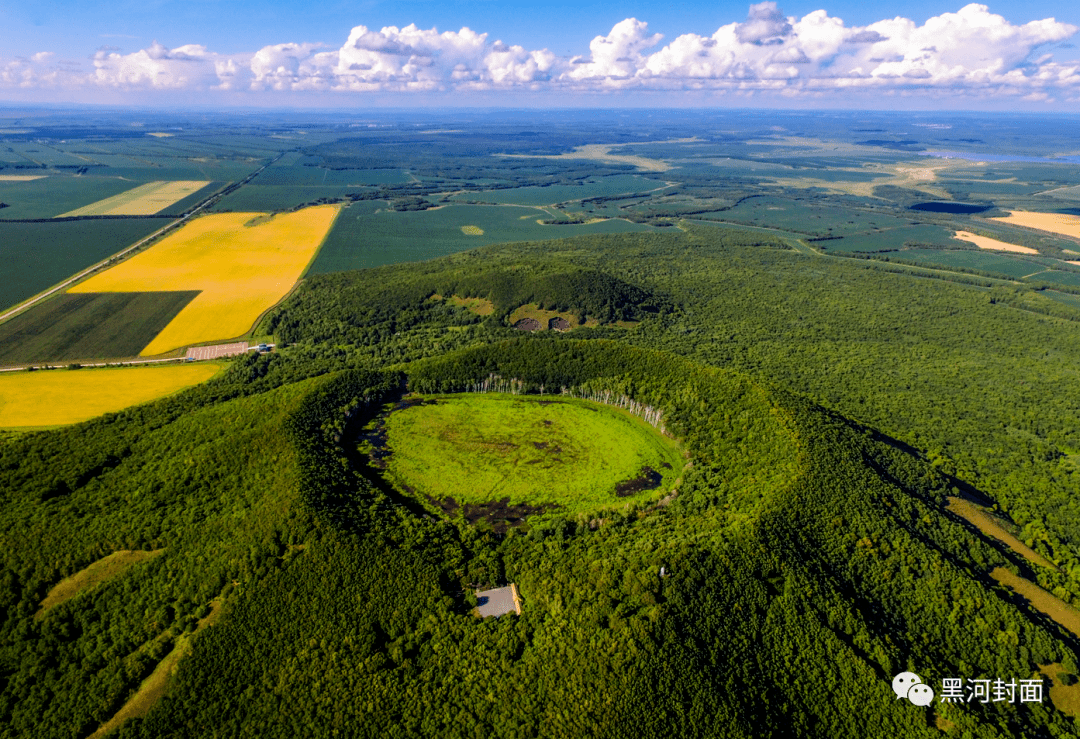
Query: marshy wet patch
[(648, 479)]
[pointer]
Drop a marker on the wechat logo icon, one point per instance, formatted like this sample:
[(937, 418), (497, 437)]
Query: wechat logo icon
[(909, 685)]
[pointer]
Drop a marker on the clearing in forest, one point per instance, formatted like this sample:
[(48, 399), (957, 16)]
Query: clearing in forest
[(1058, 223), (61, 397), (981, 519), (985, 242), (525, 314), (1041, 600), (489, 453), (240, 270), (144, 200), (103, 570), (479, 306), (1065, 697), (154, 687), (498, 601)]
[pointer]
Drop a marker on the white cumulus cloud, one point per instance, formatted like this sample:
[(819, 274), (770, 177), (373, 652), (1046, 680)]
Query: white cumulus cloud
[(972, 51)]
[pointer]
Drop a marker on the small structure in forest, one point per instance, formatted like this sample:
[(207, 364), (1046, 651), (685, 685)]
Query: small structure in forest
[(558, 323), (498, 601)]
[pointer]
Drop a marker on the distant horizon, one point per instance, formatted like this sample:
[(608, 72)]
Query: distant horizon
[(178, 108)]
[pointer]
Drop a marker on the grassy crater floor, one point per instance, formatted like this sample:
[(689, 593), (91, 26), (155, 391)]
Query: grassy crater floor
[(489, 453)]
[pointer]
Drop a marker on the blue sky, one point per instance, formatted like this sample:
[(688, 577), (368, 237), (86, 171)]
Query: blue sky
[(796, 54)]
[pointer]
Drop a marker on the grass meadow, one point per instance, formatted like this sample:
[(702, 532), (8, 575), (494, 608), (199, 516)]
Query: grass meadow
[(62, 397), (479, 448), (240, 271)]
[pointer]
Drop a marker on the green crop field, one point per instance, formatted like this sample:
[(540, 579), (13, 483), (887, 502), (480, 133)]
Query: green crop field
[(986, 261), (322, 177), (481, 448), (274, 198), (1066, 298), (88, 326), (38, 255), (366, 239), (614, 185), (893, 238), (806, 216), (1058, 277), (183, 169), (55, 194)]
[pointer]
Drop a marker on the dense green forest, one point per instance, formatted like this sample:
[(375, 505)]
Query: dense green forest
[(828, 407)]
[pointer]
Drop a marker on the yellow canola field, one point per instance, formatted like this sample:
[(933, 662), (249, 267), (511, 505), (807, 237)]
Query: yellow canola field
[(1057, 223), (240, 270), (60, 397)]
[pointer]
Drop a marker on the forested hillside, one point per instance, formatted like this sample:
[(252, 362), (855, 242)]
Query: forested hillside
[(980, 381), (826, 409)]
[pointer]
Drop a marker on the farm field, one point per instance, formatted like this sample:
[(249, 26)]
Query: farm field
[(1059, 223), (62, 397), (144, 200), (985, 242), (274, 198), (808, 217), (970, 259), (241, 264), (893, 238), (284, 174), (37, 256), (88, 326), (368, 239), (48, 197), (1058, 277), (482, 448)]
